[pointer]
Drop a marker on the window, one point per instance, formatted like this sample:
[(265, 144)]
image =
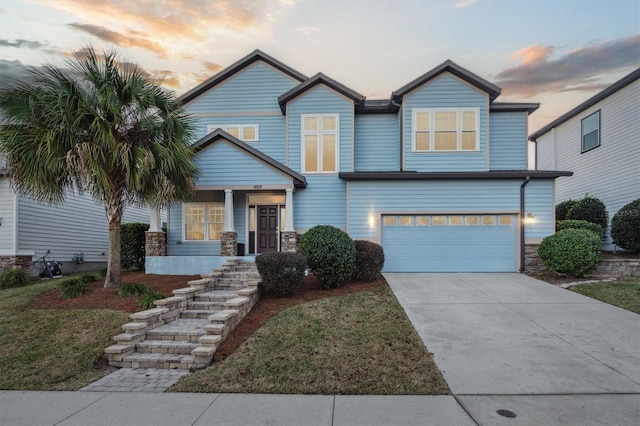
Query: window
[(504, 220), (471, 220), (439, 220), (244, 132), (406, 220), (455, 220), (203, 222), (320, 143), (390, 221), (446, 129), (591, 131), (422, 220)]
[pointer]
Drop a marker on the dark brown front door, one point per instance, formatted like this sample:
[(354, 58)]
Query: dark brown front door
[(267, 229)]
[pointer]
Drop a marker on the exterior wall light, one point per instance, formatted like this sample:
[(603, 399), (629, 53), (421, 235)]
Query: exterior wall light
[(372, 221), (530, 218)]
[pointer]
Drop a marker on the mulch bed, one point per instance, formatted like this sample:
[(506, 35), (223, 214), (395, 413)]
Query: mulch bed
[(268, 305)]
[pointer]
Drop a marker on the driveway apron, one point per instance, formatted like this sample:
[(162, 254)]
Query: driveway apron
[(495, 335)]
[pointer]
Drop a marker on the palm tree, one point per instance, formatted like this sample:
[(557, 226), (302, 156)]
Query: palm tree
[(102, 127)]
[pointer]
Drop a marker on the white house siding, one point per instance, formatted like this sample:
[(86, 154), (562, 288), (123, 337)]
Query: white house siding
[(508, 141), (610, 172), (445, 91), (6, 213), (376, 142)]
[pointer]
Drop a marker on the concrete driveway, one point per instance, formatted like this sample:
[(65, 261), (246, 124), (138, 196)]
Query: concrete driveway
[(508, 340)]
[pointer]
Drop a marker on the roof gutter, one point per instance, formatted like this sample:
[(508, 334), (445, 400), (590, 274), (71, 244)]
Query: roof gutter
[(525, 183)]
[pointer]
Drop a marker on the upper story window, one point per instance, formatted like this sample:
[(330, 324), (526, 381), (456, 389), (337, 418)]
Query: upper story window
[(320, 140), (244, 132), (446, 129), (202, 221), (591, 131)]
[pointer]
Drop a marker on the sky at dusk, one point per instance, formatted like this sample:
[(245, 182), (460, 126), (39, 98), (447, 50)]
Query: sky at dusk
[(555, 52)]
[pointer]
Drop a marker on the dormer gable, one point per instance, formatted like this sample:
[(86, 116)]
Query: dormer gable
[(451, 67), (256, 55), (319, 78)]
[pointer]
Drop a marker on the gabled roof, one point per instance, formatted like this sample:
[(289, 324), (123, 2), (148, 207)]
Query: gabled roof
[(299, 181), (319, 78), (623, 82), (514, 107), (449, 66), (256, 55)]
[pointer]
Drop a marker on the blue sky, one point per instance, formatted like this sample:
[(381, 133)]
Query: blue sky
[(555, 52)]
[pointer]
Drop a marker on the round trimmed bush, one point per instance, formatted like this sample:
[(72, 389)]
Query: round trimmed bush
[(281, 272), (10, 278), (625, 227), (331, 254), (590, 209), (369, 260), (580, 224), (563, 208), (571, 251)]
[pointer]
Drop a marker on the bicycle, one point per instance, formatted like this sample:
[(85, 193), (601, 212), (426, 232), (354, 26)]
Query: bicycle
[(48, 266)]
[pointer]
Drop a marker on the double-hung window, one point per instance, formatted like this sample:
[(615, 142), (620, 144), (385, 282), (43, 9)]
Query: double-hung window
[(320, 143), (591, 131), (446, 129), (244, 132), (203, 222)]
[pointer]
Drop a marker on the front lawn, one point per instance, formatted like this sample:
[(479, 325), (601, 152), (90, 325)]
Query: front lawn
[(359, 343), (624, 293)]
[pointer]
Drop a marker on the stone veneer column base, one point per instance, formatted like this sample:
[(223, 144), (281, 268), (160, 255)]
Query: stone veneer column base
[(16, 262), (228, 244), (155, 243), (289, 242), (532, 263)]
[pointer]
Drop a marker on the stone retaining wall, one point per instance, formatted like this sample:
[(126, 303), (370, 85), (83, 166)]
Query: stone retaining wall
[(15, 262), (532, 263), (619, 267)]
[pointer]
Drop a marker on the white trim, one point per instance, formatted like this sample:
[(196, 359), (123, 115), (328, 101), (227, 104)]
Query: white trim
[(319, 133), (16, 199), (256, 127), (237, 114), (257, 187), (206, 206), (19, 253), (459, 113)]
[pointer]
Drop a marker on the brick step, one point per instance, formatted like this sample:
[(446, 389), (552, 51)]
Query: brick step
[(196, 313), (144, 360), (166, 347), (202, 305), (230, 287), (241, 275), (188, 330), (216, 296)]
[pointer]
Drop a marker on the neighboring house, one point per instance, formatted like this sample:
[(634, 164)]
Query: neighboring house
[(28, 229), (599, 140), (436, 174)]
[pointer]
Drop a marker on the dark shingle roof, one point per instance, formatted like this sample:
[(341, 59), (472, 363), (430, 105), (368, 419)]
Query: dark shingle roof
[(625, 81), (514, 107), (319, 78)]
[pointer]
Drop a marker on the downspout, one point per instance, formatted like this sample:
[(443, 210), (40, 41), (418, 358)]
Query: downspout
[(526, 181), (401, 140)]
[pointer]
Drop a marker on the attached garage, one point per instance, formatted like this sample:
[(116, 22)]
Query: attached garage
[(449, 243)]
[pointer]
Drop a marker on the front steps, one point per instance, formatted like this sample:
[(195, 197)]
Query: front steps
[(184, 331)]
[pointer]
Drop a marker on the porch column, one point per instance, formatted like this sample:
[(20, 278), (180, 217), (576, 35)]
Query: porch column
[(155, 238), (289, 238), (155, 223), (228, 236)]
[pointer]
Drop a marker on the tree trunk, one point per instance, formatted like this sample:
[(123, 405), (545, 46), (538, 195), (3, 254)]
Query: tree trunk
[(114, 268)]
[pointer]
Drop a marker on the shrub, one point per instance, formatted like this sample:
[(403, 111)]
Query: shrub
[(562, 209), (580, 224), (590, 209), (10, 278), (73, 287), (331, 254), (89, 278), (281, 272), (625, 227), (571, 251), (132, 289), (369, 260), (147, 299), (132, 245)]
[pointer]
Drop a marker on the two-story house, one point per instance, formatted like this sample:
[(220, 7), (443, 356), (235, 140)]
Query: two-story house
[(436, 174), (599, 140)]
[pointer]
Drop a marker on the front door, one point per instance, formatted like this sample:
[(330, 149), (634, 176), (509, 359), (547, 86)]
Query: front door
[(267, 229)]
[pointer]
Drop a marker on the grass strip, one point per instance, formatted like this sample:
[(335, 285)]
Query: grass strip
[(361, 343), (624, 293)]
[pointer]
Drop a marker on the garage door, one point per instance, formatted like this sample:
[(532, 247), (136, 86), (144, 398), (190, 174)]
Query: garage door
[(449, 243)]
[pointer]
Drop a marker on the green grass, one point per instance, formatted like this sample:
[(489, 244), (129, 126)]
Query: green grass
[(624, 293), (361, 343), (51, 349)]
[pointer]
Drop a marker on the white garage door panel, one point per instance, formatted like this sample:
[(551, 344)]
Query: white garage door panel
[(450, 248)]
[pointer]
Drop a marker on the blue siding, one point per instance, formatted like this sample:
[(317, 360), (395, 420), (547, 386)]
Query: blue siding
[(256, 88), (323, 202), (225, 164), (445, 92), (539, 201), (240, 216), (376, 142), (321, 100), (271, 131), (508, 141)]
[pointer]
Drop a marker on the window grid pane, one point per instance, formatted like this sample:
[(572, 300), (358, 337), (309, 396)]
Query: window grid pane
[(311, 153), (468, 141), (422, 121), (445, 121), (504, 220), (439, 220), (445, 141), (471, 220), (329, 123), (311, 124), (422, 220), (488, 220), (406, 220), (455, 220), (390, 221), (328, 153), (422, 141), (249, 133)]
